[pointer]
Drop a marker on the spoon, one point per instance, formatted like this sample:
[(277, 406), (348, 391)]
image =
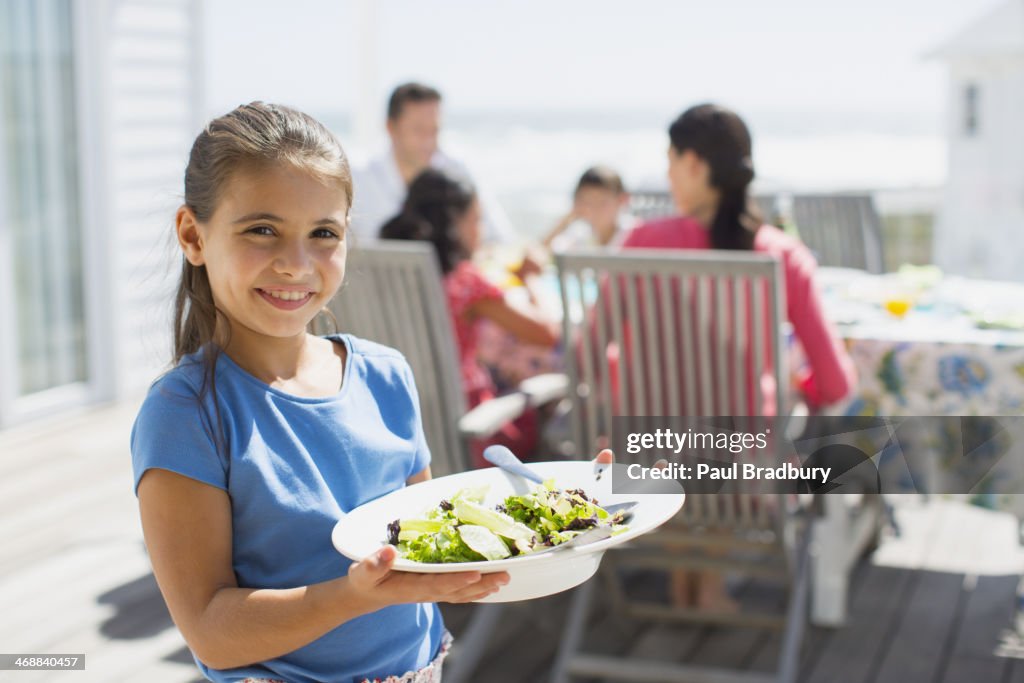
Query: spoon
[(623, 507), (502, 457)]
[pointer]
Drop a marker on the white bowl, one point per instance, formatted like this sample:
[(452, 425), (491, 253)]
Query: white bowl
[(363, 531)]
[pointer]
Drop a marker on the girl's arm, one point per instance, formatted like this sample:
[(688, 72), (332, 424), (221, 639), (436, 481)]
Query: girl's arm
[(423, 475), (187, 526), (530, 328), (534, 289), (560, 227), (831, 374)]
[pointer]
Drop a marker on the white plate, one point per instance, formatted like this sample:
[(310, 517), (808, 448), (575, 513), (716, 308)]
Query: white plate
[(363, 531)]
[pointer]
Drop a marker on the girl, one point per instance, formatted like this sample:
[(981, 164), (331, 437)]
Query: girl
[(261, 436), (710, 171), (444, 210)]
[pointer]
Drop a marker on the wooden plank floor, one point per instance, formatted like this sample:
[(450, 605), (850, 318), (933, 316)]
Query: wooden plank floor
[(935, 604)]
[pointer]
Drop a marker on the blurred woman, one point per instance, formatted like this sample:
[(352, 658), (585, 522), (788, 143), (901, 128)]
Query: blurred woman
[(710, 168)]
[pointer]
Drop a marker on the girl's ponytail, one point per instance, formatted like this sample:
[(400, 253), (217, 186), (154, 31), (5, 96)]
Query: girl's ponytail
[(719, 137)]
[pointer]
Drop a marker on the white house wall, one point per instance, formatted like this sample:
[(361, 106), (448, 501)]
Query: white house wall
[(153, 91), (982, 219)]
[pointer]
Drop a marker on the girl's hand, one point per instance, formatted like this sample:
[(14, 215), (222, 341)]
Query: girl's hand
[(567, 219), (374, 578), (605, 457), (530, 266)]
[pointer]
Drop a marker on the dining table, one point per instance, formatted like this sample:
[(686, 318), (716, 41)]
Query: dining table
[(928, 344), (945, 366), (922, 343), (940, 359)]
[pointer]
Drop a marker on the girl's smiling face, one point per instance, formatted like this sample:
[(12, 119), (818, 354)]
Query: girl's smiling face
[(274, 248)]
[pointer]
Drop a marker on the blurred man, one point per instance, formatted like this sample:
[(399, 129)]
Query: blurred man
[(414, 122)]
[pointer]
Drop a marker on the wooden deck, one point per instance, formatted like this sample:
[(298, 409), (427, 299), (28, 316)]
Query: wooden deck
[(935, 604)]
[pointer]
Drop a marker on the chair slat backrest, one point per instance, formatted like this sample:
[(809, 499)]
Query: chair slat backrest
[(393, 295), (687, 334), (841, 230)]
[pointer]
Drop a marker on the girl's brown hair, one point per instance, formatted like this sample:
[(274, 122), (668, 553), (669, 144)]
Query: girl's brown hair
[(433, 206), (721, 138), (252, 135)]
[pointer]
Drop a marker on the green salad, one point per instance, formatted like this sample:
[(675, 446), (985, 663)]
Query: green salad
[(462, 529)]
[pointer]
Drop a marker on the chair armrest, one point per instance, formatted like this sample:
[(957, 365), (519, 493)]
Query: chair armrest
[(489, 416), (541, 389)]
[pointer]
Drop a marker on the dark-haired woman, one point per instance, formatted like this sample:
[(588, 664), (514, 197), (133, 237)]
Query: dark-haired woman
[(710, 168), (444, 210)]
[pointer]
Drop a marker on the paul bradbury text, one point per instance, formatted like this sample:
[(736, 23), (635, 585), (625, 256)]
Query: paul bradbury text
[(730, 471)]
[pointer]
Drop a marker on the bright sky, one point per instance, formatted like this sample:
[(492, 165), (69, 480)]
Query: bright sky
[(860, 57)]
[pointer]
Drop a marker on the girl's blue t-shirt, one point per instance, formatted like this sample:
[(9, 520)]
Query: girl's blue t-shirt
[(293, 467)]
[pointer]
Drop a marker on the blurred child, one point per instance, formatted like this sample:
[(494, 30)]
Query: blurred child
[(597, 218), (444, 210)]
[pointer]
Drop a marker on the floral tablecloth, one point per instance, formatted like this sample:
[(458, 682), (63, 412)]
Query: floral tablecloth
[(957, 352), (944, 357)]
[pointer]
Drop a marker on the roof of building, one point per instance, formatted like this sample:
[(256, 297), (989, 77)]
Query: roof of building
[(1000, 32)]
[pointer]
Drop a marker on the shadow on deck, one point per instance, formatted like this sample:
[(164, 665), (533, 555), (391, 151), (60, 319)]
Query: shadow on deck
[(905, 626)]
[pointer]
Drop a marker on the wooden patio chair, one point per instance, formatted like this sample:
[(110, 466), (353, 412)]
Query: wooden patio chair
[(685, 323), (393, 295), (841, 230)]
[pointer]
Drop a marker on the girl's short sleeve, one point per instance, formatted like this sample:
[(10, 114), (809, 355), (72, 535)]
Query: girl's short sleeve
[(174, 432), (466, 285)]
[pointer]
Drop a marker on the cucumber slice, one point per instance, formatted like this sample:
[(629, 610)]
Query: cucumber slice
[(484, 541)]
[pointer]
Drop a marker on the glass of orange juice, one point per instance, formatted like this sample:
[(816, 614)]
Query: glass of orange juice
[(898, 305), (511, 277)]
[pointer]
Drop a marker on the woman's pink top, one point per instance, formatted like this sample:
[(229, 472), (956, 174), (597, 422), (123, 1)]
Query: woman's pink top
[(463, 287), (830, 374)]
